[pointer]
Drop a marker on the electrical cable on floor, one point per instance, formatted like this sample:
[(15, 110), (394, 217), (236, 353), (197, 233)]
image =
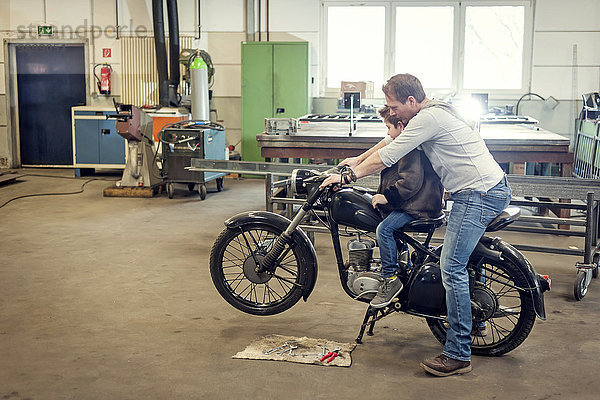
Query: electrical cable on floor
[(54, 194)]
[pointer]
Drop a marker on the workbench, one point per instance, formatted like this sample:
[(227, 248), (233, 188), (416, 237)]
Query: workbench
[(507, 143)]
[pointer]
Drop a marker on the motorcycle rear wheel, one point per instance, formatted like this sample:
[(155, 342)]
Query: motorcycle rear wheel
[(232, 263), (513, 316)]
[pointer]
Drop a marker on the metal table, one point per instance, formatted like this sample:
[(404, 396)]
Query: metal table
[(507, 143)]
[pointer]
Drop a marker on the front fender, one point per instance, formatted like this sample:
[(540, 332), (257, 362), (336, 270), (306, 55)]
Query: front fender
[(307, 254), (496, 248)]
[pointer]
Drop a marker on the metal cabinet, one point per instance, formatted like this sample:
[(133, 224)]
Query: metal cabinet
[(275, 83), (96, 143)]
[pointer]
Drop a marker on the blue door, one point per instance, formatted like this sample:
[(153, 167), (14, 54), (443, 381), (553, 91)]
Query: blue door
[(50, 80)]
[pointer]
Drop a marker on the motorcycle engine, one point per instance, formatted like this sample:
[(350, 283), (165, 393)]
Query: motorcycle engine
[(363, 280)]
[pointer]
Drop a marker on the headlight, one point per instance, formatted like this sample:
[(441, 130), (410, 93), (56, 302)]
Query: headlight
[(298, 177)]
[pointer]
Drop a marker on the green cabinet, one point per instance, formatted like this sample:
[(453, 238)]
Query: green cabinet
[(275, 84)]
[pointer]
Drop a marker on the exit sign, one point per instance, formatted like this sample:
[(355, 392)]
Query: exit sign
[(45, 30)]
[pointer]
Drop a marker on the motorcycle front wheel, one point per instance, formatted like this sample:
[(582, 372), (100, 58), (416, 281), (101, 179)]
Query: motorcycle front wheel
[(510, 315), (233, 262)]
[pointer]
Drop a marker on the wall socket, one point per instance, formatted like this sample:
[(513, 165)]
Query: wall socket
[(3, 162)]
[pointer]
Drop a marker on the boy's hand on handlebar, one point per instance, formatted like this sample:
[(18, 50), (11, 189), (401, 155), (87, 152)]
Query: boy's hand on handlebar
[(331, 179), (378, 199)]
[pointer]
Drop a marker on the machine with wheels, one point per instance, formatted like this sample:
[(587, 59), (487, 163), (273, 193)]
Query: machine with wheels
[(185, 140)]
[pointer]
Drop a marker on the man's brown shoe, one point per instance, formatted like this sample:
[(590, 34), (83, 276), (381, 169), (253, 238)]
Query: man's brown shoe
[(443, 365)]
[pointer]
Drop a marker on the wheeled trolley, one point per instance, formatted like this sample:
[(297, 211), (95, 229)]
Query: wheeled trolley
[(185, 140), (588, 269)]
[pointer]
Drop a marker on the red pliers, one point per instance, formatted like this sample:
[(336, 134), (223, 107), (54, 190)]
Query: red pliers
[(331, 355)]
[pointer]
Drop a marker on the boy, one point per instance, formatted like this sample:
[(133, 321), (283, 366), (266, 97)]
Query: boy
[(408, 190)]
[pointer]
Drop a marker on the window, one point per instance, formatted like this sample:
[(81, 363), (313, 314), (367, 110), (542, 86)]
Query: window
[(458, 46), (494, 47), (356, 51), (427, 55)]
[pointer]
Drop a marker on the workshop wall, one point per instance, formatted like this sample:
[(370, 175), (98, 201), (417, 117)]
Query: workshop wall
[(94, 22), (559, 25)]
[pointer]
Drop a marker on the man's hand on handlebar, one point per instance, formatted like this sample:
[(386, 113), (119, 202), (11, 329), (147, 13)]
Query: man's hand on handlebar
[(346, 175), (331, 179), (352, 162)]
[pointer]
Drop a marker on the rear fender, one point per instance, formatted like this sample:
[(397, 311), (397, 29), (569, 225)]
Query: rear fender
[(496, 249), (307, 254)]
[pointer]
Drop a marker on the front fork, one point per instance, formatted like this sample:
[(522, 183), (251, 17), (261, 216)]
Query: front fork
[(270, 261)]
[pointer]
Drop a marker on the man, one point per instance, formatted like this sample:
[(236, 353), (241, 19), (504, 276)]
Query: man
[(478, 187)]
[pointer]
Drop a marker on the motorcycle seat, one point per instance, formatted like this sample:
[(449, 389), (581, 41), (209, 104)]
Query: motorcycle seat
[(506, 217), (424, 224)]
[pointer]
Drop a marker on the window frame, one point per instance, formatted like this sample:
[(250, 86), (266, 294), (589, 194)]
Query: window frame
[(458, 51)]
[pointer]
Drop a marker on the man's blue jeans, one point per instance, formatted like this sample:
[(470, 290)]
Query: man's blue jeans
[(387, 244), (471, 212)]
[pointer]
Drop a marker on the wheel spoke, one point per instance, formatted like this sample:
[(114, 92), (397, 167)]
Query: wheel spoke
[(288, 270), (272, 289), (287, 280)]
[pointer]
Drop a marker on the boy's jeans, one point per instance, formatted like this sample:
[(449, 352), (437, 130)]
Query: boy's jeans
[(387, 244), (471, 213)]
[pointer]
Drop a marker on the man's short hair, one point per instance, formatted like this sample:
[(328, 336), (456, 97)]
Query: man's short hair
[(387, 118), (403, 85)]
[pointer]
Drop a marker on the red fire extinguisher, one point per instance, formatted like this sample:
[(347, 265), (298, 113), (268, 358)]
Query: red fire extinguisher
[(103, 81)]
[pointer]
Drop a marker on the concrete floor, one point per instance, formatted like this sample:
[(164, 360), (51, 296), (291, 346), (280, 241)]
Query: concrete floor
[(111, 298)]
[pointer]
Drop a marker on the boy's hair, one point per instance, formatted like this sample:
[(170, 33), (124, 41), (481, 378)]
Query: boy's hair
[(403, 85), (387, 118)]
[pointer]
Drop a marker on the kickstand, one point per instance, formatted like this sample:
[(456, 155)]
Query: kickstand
[(375, 314), (370, 314)]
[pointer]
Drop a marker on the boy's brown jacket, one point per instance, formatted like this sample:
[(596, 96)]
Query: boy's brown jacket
[(412, 186)]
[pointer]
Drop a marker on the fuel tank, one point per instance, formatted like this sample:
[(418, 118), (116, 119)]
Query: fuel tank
[(352, 208)]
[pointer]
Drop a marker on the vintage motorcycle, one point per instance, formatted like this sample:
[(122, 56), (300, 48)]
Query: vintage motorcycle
[(263, 263)]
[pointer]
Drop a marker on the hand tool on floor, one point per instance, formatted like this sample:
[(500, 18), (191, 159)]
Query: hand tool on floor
[(288, 351), (321, 354), (282, 347), (273, 350), (331, 355)]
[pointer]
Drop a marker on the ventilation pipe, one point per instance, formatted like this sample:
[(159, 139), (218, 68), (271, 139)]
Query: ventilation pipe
[(161, 53), (173, 51), (167, 88)]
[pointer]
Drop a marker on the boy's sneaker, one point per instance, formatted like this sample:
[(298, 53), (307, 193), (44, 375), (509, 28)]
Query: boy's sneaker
[(389, 288)]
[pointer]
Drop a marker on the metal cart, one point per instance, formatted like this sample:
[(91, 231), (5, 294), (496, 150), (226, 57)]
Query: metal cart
[(185, 140)]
